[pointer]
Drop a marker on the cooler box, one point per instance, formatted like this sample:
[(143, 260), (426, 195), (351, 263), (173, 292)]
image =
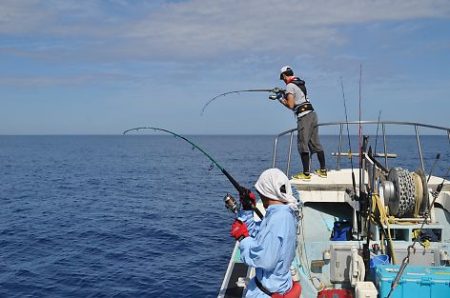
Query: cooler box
[(416, 281), (365, 289)]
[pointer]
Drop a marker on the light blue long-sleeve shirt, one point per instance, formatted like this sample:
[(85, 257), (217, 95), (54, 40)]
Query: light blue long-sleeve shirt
[(270, 248)]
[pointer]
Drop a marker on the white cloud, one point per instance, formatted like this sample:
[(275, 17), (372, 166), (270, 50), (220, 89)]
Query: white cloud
[(201, 28), (66, 80)]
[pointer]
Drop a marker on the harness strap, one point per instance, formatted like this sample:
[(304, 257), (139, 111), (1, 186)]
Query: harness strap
[(262, 288), (300, 84)]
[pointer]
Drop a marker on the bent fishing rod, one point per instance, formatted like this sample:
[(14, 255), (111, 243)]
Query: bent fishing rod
[(278, 93), (233, 181)]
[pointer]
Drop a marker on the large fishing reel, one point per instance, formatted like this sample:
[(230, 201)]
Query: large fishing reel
[(277, 94), (405, 193)]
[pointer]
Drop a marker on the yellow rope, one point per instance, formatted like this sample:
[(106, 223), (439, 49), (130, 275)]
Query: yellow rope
[(387, 220), (384, 219)]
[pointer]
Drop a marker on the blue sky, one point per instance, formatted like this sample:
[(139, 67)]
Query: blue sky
[(100, 67)]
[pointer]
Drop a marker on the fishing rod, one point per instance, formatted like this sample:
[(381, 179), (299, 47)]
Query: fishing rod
[(376, 142), (348, 137), (361, 182), (366, 251), (405, 261), (434, 164), (242, 190), (277, 94)]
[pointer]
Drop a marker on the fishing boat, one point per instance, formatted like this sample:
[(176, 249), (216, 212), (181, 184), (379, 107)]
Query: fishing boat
[(377, 230)]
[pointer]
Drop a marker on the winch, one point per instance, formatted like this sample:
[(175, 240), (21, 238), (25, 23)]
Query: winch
[(405, 193)]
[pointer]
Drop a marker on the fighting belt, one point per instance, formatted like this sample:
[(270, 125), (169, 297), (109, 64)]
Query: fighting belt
[(303, 108), (294, 292)]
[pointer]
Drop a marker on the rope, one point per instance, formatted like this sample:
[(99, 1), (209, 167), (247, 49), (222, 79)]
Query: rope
[(384, 219)]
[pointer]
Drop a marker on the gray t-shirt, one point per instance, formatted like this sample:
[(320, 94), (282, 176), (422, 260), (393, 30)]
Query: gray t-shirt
[(299, 96)]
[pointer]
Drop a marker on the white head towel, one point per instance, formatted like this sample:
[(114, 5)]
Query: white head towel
[(275, 185)]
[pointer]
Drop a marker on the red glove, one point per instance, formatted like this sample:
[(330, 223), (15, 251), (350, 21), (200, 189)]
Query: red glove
[(239, 230), (247, 198)]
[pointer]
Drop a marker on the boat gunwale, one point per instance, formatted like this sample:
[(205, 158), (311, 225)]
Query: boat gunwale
[(341, 124)]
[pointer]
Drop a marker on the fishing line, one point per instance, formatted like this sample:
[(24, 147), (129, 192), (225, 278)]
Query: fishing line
[(233, 181)]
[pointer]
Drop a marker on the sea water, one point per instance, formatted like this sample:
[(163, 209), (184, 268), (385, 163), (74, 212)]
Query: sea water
[(136, 216)]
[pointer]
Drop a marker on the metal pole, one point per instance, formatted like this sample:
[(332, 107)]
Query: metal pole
[(383, 128), (274, 158), (289, 154), (419, 147)]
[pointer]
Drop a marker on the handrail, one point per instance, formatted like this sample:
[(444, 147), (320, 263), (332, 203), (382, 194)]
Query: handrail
[(383, 124)]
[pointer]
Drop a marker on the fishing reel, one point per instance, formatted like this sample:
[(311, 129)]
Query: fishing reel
[(278, 94), (230, 203)]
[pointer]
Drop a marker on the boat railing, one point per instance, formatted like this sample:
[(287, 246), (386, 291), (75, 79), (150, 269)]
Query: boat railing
[(343, 124)]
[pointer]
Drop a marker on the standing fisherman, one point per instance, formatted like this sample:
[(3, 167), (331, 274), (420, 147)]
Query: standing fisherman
[(296, 99), (269, 245)]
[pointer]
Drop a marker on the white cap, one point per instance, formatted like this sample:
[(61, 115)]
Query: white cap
[(284, 69)]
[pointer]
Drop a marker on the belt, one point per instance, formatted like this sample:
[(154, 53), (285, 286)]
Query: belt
[(262, 288), (303, 108), (295, 290)]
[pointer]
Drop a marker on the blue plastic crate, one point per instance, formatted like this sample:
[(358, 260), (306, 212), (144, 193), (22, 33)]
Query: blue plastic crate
[(416, 281)]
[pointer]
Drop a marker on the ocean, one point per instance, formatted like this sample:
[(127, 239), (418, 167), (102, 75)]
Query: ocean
[(136, 215)]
